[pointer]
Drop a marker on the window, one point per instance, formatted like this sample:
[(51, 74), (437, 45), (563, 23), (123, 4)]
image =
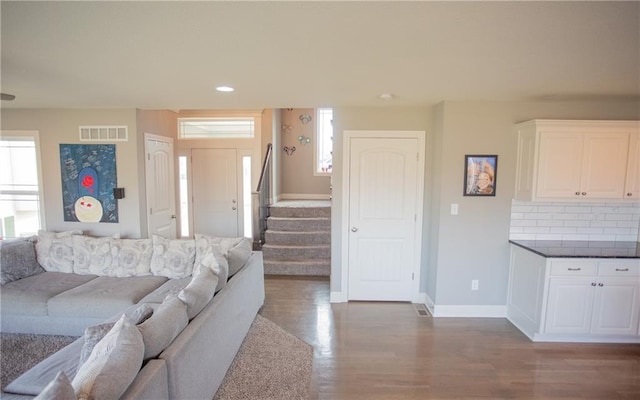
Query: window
[(184, 196), (20, 205), (324, 142), (216, 128)]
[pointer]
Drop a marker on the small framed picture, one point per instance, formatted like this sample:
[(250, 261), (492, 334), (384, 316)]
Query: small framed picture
[(480, 175)]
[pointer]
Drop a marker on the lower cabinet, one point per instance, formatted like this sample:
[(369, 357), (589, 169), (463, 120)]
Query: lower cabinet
[(581, 300)]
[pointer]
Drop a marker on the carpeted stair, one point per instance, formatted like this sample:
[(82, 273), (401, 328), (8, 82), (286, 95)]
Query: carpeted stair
[(298, 238)]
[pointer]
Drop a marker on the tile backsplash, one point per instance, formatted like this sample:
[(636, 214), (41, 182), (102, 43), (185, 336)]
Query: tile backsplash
[(574, 221)]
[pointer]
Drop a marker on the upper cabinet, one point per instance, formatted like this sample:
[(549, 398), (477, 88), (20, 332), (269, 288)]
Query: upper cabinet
[(562, 160), (632, 185)]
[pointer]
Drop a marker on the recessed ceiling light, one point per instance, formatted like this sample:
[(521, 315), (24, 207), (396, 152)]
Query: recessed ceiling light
[(225, 89), (386, 96)]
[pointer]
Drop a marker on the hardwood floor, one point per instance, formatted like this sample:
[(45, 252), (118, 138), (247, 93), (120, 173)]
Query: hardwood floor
[(366, 350)]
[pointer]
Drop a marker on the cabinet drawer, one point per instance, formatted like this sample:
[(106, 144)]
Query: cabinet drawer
[(631, 268), (574, 268)]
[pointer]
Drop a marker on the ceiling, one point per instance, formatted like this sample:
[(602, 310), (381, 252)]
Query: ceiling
[(172, 55)]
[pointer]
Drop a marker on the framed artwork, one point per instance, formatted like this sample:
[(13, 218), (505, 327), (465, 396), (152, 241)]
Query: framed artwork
[(88, 179), (480, 176)]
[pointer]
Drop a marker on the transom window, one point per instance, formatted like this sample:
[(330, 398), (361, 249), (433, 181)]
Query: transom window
[(216, 128)]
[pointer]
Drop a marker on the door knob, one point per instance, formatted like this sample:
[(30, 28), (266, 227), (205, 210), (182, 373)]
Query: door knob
[(354, 229), (233, 208), (173, 217), (233, 201)]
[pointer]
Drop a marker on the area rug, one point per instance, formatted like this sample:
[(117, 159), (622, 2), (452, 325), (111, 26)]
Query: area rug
[(271, 364)]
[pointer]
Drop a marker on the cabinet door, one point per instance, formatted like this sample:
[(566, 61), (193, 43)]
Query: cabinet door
[(604, 162), (615, 308), (632, 185), (560, 165), (570, 305)]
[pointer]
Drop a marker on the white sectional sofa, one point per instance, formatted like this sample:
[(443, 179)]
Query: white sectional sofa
[(193, 364)]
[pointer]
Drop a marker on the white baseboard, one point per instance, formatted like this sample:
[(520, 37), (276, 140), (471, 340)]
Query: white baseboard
[(469, 311), (302, 196), (338, 297)]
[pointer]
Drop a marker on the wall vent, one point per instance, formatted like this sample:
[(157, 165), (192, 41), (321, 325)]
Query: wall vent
[(104, 133)]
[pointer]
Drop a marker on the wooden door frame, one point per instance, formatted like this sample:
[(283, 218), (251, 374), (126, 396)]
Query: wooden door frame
[(346, 184)]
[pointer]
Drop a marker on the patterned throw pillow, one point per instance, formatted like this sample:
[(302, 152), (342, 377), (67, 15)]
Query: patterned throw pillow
[(173, 258), (55, 250), (112, 256)]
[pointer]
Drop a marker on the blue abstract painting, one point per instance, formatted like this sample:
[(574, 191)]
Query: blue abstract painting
[(88, 179)]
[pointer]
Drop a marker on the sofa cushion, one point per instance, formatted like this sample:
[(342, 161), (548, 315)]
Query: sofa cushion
[(59, 388), (103, 296), (173, 258), (112, 256), (93, 334), (199, 292), (55, 250), (29, 296), (170, 287), (34, 380), (18, 260), (167, 321), (235, 250), (113, 363)]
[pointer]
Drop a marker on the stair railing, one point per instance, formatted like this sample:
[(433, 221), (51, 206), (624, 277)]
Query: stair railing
[(261, 200)]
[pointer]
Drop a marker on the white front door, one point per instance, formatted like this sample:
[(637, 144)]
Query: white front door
[(215, 192), (384, 190), (160, 184)]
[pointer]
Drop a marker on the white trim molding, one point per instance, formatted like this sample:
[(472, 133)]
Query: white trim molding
[(470, 311), (303, 196), (338, 297)]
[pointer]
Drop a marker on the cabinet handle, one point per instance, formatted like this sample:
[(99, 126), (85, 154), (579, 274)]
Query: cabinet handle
[(622, 269), (601, 284), (629, 194), (577, 193), (593, 283), (584, 193), (574, 269)]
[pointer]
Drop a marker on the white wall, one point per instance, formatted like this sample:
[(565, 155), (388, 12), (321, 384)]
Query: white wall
[(296, 171), (58, 126), (473, 244)]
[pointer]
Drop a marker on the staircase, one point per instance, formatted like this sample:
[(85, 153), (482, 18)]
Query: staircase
[(298, 238)]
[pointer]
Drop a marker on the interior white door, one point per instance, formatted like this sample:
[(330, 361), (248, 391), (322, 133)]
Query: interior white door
[(383, 190), (160, 186), (215, 192)]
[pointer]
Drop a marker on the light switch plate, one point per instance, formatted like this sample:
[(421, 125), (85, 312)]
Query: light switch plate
[(454, 209)]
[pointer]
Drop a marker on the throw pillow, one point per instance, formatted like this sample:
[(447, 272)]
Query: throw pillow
[(199, 291), (173, 258), (55, 250), (58, 389), (18, 260), (113, 363), (167, 321), (236, 250), (94, 334), (134, 256), (91, 255), (238, 254), (214, 260)]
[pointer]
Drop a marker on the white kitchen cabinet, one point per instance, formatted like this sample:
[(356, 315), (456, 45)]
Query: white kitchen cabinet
[(632, 184), (562, 160), (574, 299)]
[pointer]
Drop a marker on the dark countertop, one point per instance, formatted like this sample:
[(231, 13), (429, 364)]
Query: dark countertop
[(580, 249)]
